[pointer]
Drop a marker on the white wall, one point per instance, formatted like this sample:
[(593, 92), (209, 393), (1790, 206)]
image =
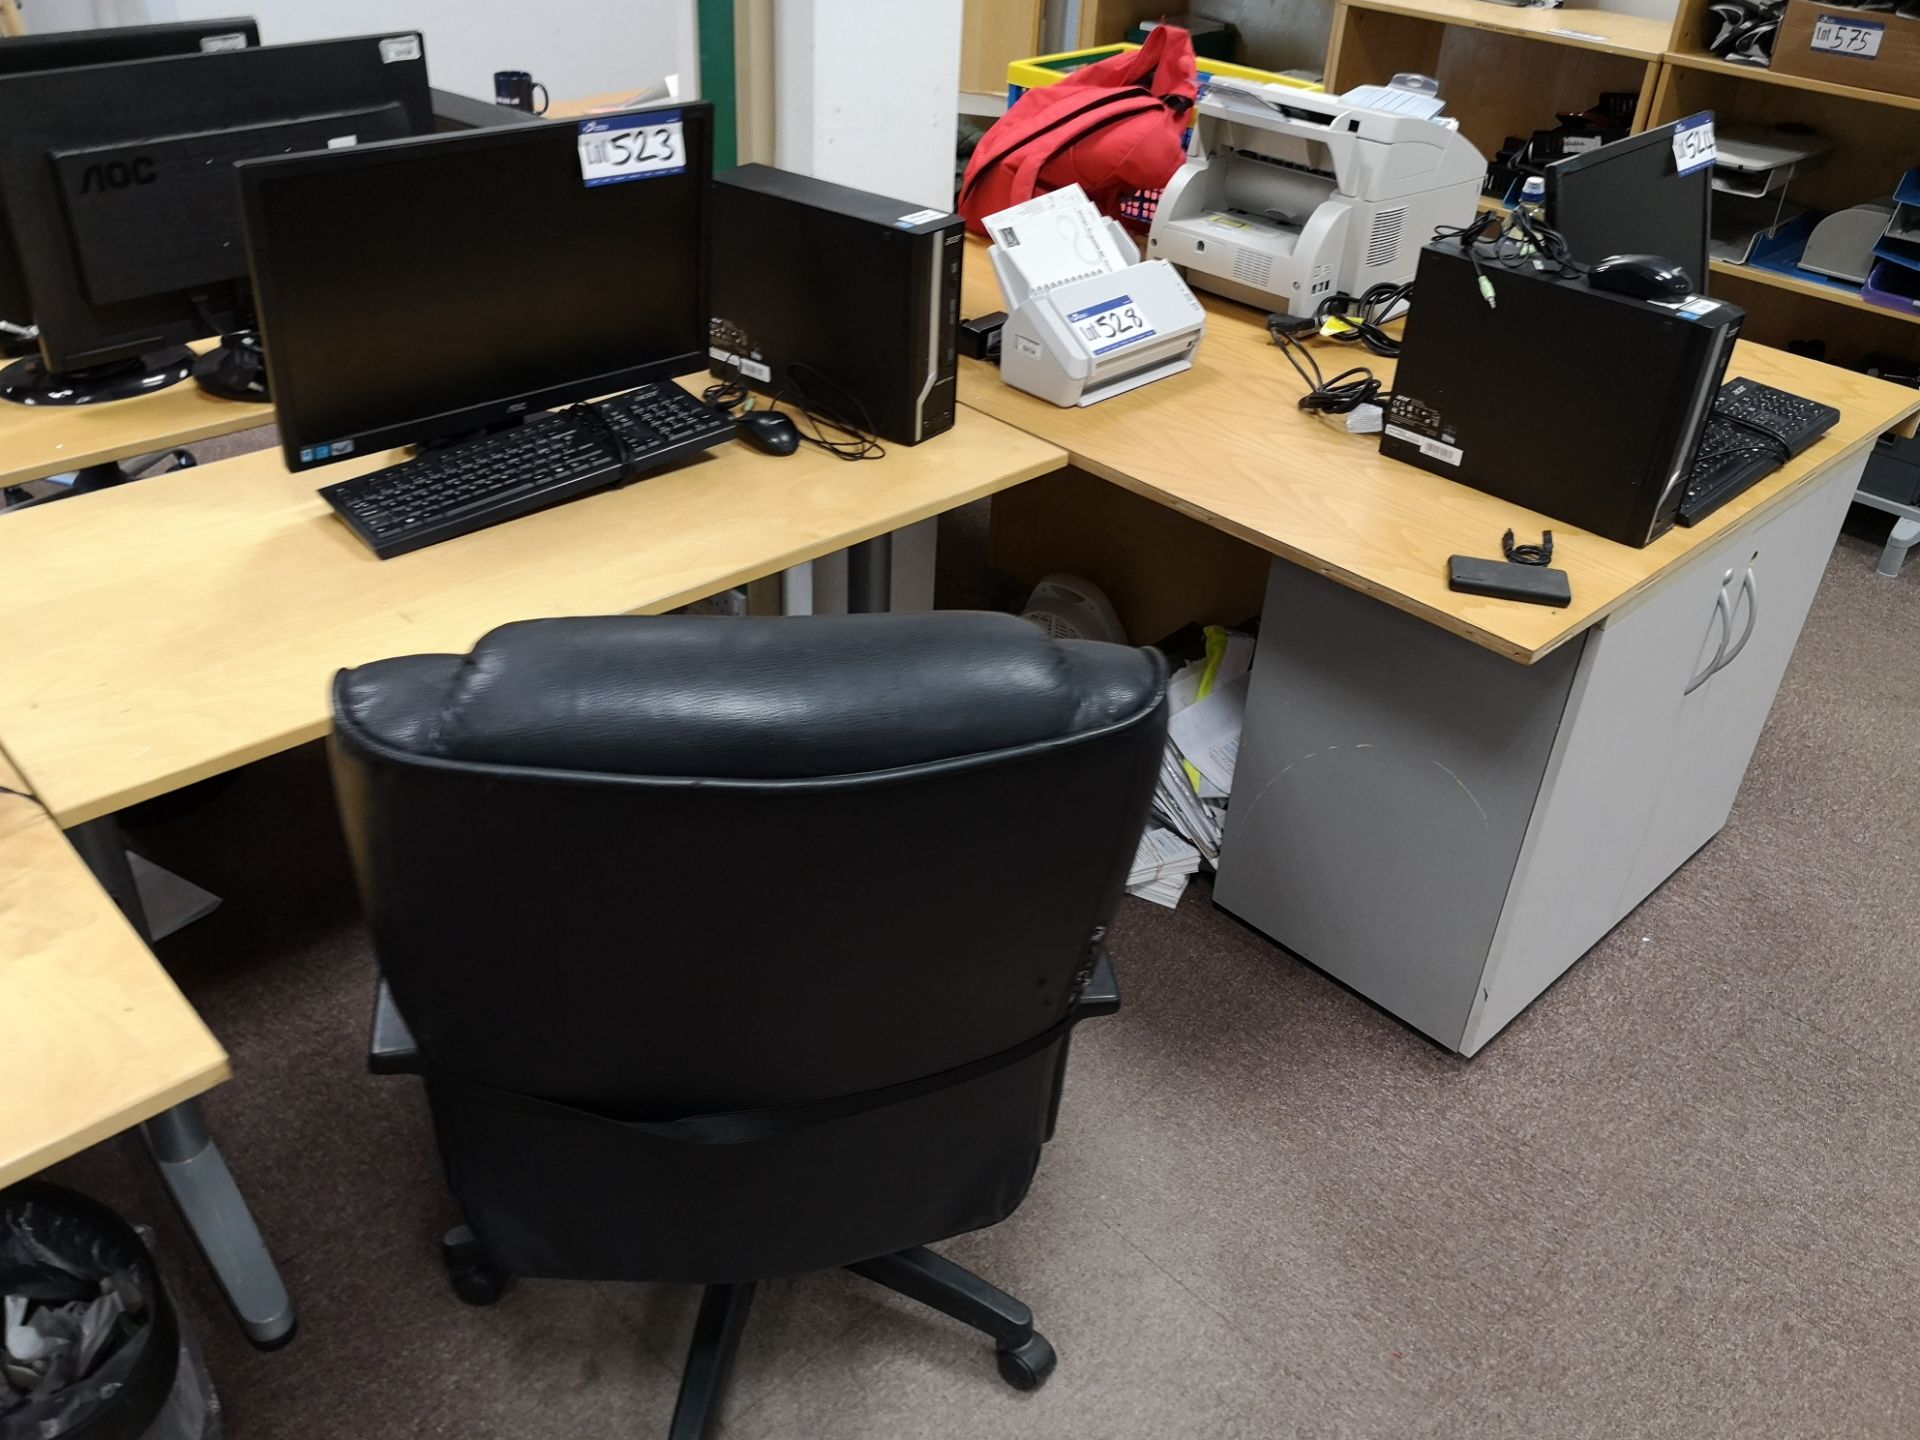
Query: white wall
[(574, 47), (865, 94)]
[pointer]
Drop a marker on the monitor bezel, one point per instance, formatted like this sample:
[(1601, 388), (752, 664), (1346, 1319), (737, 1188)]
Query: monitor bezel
[(1661, 137), (75, 331), (299, 447)]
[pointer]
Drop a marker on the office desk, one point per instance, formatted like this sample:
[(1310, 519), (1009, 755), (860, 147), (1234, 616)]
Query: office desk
[(41, 440), (96, 1036), (1226, 444), (1440, 827), (163, 632)]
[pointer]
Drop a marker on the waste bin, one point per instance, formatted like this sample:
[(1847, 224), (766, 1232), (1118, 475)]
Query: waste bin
[(91, 1346)]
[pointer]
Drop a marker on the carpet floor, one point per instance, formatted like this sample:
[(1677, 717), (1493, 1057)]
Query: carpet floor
[(1677, 1197)]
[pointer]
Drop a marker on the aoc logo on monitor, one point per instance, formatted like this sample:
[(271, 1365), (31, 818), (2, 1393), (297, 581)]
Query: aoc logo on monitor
[(117, 174)]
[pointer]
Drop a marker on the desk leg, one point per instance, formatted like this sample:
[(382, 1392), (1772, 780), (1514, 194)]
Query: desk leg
[(870, 576), (189, 1161), (104, 848), (1906, 532), (216, 1212)]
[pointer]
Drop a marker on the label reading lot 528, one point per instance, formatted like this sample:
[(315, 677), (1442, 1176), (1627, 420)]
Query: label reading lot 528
[(614, 148)]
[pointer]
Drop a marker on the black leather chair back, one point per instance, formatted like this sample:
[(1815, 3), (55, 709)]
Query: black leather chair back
[(622, 872)]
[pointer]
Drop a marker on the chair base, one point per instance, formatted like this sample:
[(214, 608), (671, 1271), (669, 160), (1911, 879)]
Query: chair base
[(1024, 1356)]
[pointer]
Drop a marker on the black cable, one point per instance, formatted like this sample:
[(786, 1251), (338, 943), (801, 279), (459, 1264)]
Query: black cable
[(589, 416), (1365, 316), (863, 444), (1510, 241), (1541, 554), (1344, 393)]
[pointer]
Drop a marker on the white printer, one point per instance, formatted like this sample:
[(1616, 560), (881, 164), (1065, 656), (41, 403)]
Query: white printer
[(1288, 196)]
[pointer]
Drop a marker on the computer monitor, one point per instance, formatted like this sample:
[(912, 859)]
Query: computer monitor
[(67, 48), (1629, 198), (123, 201), (109, 46), (514, 270)]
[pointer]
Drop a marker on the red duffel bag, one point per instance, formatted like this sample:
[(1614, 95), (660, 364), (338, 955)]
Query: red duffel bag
[(1113, 127)]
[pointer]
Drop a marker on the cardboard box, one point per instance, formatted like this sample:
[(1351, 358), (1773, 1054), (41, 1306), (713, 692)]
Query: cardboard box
[(1873, 49)]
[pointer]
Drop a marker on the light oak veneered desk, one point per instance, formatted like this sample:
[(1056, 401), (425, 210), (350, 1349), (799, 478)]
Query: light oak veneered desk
[(1226, 444), (41, 440), (1445, 800), (96, 1036), (163, 632)]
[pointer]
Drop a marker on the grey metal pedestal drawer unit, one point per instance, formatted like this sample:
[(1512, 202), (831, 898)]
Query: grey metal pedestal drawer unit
[(1447, 831)]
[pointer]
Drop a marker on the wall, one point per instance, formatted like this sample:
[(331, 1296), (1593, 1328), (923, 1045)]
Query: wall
[(865, 93), (574, 47)]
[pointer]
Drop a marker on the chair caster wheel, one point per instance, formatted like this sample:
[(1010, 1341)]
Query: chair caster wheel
[(476, 1279), (1027, 1365)]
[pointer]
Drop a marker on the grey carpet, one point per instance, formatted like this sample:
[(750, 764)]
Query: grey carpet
[(1676, 1198)]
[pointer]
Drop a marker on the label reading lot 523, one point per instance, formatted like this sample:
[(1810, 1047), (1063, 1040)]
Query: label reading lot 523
[(614, 148)]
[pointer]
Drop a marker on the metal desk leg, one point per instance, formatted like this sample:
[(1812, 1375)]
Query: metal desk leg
[(104, 848), (216, 1212), (870, 576), (191, 1164), (1906, 533)]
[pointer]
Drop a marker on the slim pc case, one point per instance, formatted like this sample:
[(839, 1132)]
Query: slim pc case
[(1583, 405), (848, 300)]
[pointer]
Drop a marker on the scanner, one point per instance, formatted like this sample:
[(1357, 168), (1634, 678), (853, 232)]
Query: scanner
[(1093, 338), (1287, 197)]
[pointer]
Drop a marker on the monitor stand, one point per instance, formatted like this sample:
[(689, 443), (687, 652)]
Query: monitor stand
[(29, 382), (235, 371), (467, 437)]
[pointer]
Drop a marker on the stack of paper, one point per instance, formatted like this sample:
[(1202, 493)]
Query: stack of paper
[(1055, 239), (1179, 806), (1208, 701), (1161, 867)]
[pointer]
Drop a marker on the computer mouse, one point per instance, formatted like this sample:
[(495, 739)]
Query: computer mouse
[(767, 431), (1645, 277)]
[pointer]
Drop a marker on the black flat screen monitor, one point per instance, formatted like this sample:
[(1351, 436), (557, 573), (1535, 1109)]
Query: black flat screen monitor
[(120, 185), (515, 270), (67, 48), (1629, 198)]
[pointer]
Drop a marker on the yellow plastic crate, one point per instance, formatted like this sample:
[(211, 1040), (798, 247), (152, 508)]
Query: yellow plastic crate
[(1025, 75)]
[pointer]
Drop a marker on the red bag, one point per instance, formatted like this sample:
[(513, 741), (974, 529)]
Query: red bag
[(1113, 127)]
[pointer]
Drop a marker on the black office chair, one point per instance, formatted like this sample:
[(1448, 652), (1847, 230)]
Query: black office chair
[(736, 949)]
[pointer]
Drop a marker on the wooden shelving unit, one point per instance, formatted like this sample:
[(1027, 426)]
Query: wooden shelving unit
[(1582, 29), (1506, 72), (1811, 288), (1877, 139), (1714, 65), (1478, 51)]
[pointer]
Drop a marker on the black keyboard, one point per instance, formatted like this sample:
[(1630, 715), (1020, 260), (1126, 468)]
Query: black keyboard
[(1754, 430), (545, 459)]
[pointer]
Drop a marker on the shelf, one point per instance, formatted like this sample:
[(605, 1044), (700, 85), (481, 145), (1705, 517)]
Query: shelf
[(1814, 288), (1713, 65), (1580, 29)]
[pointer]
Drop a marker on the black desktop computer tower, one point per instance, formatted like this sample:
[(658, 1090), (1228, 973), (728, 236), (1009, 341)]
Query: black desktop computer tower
[(1581, 404), (843, 301)]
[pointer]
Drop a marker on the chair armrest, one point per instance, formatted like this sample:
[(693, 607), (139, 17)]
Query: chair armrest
[(1102, 993), (391, 1051)]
